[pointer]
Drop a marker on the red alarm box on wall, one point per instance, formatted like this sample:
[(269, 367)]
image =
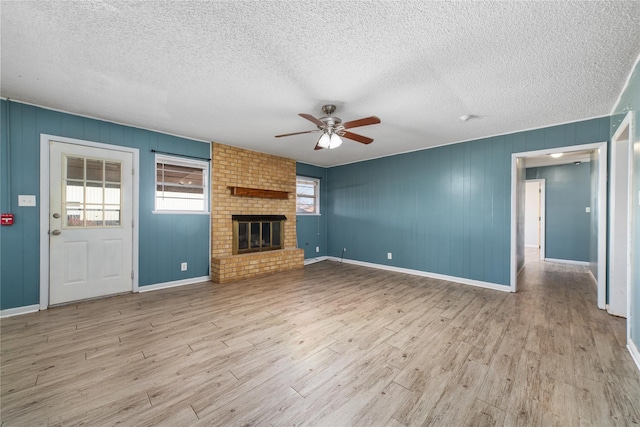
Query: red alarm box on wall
[(6, 219)]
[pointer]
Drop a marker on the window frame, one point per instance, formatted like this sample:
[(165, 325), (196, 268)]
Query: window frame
[(316, 195), (184, 162)]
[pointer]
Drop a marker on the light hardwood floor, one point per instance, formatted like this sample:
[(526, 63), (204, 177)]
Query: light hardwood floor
[(331, 345)]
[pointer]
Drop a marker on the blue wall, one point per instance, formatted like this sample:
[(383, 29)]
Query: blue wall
[(630, 101), (164, 240), (444, 210), (568, 193), (311, 230)]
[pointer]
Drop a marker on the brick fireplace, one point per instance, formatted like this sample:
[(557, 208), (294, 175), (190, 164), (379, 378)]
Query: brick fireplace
[(268, 185)]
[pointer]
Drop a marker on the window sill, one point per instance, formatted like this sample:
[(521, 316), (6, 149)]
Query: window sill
[(180, 213)]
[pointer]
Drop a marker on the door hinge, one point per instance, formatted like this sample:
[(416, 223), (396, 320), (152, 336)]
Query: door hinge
[(132, 274)]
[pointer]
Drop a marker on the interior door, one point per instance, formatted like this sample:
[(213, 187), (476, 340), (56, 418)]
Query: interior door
[(533, 217), (90, 222)]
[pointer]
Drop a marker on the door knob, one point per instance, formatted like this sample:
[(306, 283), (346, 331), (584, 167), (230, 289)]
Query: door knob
[(55, 232), (56, 215)]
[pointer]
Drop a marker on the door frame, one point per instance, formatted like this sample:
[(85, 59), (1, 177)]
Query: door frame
[(615, 245), (601, 280), (543, 216), (45, 139)]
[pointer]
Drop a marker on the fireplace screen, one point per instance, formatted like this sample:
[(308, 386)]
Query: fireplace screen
[(257, 233)]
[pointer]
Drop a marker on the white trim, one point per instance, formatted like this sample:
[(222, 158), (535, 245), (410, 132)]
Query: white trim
[(513, 269), (614, 196), (181, 212), (530, 246), (461, 280), (45, 139), (635, 354), (603, 166), (174, 283), (309, 261), (602, 210), (8, 312), (567, 261)]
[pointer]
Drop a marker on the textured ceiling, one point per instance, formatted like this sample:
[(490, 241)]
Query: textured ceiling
[(238, 72)]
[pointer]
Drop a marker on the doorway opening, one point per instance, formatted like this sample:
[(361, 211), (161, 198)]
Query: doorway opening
[(598, 259)]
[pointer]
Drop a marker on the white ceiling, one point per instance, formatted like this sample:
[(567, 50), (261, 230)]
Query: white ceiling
[(238, 72)]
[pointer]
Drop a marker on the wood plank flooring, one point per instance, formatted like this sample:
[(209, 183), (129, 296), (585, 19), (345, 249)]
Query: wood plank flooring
[(331, 345)]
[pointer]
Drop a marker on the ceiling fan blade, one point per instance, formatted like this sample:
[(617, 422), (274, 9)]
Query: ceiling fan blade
[(317, 147), (297, 133), (361, 122), (312, 119), (356, 137)]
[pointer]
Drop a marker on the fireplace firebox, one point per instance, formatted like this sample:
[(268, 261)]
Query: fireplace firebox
[(257, 233)]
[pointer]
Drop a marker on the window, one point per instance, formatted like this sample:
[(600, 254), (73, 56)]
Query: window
[(91, 194), (181, 185), (307, 196)]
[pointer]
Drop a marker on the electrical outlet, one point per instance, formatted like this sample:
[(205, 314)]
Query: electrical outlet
[(389, 255), (317, 249), (183, 266)]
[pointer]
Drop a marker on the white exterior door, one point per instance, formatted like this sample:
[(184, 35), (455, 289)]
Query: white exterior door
[(90, 222)]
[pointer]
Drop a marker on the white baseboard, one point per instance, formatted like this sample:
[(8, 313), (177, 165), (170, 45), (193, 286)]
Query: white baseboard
[(36, 307), (8, 312), (568, 261), (314, 260), (173, 284), (462, 280), (635, 354)]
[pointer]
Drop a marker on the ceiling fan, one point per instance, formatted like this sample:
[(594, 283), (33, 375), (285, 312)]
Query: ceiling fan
[(333, 130)]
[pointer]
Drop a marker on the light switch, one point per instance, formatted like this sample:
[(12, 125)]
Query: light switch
[(26, 200), (587, 209)]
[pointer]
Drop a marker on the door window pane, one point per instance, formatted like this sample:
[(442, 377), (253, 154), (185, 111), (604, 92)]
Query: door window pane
[(112, 172), (75, 192), (75, 168), (94, 170), (94, 192)]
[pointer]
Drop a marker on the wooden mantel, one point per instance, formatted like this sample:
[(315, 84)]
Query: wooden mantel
[(257, 192)]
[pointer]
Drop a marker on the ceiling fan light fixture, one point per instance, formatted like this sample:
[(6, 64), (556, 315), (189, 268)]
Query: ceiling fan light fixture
[(325, 140), (335, 141)]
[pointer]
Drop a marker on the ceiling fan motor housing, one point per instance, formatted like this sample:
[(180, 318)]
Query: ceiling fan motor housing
[(328, 109)]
